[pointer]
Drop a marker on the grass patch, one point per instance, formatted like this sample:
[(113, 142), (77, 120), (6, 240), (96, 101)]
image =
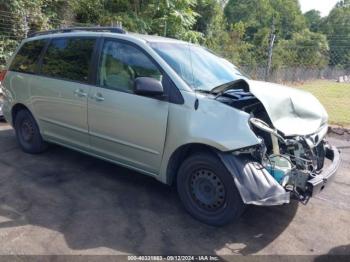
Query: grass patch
[(335, 97)]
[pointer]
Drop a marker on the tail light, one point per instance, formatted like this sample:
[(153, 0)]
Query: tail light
[(2, 75)]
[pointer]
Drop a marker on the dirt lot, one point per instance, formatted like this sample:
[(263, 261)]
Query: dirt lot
[(63, 202)]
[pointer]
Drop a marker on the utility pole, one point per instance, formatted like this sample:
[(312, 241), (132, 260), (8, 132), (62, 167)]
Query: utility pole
[(25, 25), (165, 21), (270, 51)]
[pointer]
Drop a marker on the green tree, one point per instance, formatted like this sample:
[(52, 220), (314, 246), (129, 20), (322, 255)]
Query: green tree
[(255, 14), (288, 18), (337, 28), (88, 11), (210, 17), (20, 17), (343, 3), (237, 29), (173, 18), (313, 20), (260, 16), (305, 48)]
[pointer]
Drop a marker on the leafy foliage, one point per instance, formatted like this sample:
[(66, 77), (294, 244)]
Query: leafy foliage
[(305, 48), (337, 28), (237, 29), (313, 20)]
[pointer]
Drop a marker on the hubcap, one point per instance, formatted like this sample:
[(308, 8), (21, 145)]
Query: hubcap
[(27, 130), (207, 189)]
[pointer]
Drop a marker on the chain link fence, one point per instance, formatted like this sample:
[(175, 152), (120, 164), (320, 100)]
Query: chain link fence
[(301, 73), (334, 63), (308, 64)]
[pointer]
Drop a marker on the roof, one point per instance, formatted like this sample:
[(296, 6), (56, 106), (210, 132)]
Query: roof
[(106, 31), (156, 38), (112, 29)]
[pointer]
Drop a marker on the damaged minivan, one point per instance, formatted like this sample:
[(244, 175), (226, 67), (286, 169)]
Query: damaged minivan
[(171, 110)]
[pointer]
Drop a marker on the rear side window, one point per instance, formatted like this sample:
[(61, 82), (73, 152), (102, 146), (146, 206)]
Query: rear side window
[(68, 58), (27, 57)]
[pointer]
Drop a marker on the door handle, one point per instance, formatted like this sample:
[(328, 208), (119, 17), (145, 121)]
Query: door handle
[(98, 97), (80, 93)]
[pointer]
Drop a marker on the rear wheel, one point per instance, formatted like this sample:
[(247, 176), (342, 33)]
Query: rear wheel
[(28, 133), (208, 191)]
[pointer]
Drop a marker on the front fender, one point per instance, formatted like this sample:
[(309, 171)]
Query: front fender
[(213, 124)]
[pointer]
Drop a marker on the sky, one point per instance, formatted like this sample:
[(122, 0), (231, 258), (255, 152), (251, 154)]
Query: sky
[(324, 6)]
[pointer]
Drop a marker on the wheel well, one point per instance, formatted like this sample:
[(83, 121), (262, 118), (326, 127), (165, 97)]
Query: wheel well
[(180, 155), (15, 109)]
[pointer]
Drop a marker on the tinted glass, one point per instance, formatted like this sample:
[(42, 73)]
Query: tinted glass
[(197, 66), (178, 57), (68, 58), (27, 57), (121, 63)]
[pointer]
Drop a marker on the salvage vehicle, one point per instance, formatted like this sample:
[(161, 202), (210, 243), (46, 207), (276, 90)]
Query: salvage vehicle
[(171, 110)]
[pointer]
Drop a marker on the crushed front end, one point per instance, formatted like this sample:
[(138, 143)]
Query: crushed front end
[(283, 165), (297, 163)]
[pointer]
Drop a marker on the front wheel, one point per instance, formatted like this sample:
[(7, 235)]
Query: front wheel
[(28, 133), (208, 190)]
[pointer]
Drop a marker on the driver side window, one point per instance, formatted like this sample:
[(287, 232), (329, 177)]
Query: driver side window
[(121, 64)]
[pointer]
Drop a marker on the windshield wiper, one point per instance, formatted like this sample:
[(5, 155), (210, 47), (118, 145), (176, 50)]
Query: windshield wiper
[(241, 83), (203, 91), (222, 86), (210, 92), (220, 89)]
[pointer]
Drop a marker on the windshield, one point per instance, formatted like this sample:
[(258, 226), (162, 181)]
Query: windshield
[(197, 66)]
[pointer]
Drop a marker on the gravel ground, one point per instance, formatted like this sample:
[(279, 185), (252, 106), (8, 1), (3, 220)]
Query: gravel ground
[(63, 202)]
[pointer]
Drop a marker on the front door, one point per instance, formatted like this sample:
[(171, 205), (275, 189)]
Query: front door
[(125, 127)]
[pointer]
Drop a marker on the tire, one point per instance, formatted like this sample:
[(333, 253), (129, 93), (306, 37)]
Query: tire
[(208, 191), (28, 133)]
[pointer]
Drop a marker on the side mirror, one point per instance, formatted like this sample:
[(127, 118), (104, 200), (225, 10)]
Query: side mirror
[(148, 86)]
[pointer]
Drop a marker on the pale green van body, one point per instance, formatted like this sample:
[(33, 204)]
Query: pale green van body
[(141, 133)]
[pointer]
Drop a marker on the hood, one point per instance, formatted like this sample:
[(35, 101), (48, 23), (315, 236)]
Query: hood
[(292, 111)]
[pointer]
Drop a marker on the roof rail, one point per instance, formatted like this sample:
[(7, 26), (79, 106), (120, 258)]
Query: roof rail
[(111, 29)]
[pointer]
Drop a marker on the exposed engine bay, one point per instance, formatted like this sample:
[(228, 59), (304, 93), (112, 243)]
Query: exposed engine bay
[(291, 160)]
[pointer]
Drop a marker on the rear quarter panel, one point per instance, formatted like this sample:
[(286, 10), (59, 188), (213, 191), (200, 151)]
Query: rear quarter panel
[(16, 91)]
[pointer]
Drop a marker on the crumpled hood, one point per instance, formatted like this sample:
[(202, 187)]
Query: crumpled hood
[(292, 111)]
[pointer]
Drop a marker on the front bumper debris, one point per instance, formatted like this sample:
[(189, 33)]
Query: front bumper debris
[(319, 182), (255, 185), (258, 187)]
